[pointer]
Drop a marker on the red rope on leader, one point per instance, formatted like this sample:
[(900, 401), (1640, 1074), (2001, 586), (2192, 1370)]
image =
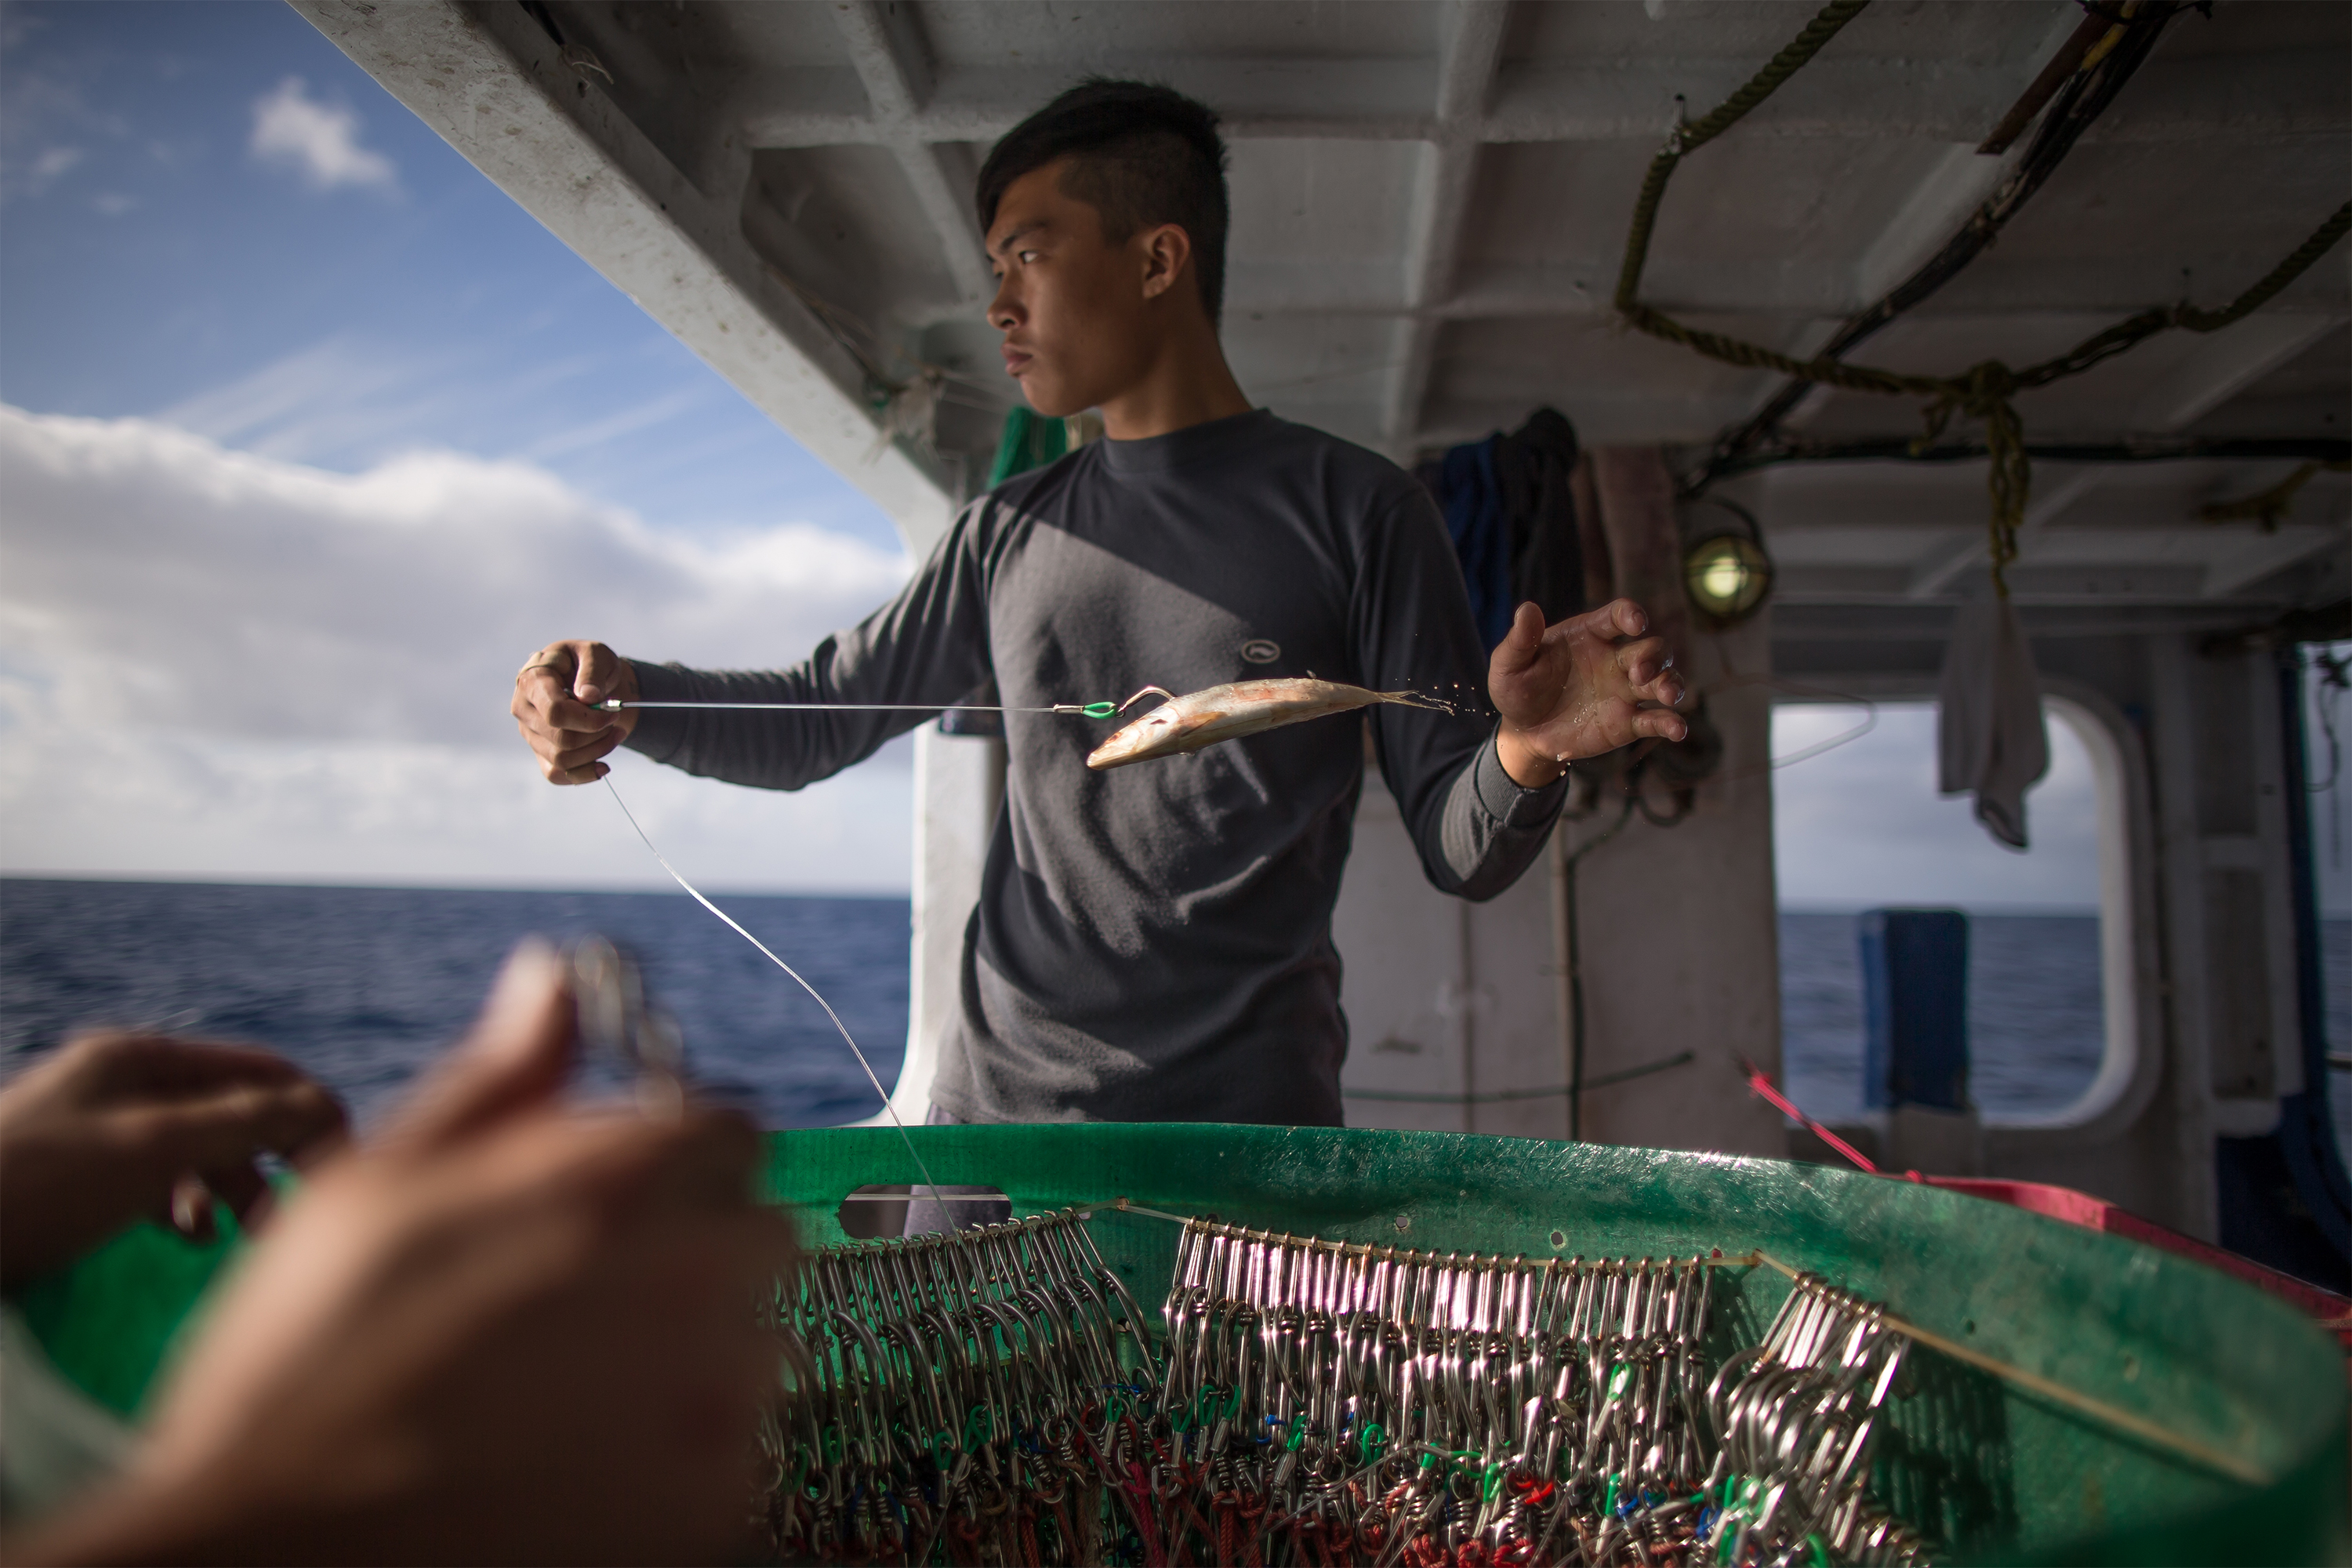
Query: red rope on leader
[(1761, 1086)]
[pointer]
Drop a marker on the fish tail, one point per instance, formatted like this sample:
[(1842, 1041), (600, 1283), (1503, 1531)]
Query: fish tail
[(1417, 700)]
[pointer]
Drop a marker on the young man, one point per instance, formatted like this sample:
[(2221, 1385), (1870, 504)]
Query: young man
[(1153, 943)]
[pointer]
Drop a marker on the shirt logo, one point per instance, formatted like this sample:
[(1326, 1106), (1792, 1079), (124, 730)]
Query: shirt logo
[(1257, 650)]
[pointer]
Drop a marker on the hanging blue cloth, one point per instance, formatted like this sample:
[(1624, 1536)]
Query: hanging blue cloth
[(1480, 525)]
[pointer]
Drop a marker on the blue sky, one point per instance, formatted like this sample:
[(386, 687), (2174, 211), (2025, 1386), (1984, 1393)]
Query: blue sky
[(162, 260), (320, 435), (369, 434)]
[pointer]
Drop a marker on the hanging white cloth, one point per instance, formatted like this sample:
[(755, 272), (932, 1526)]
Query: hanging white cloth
[(1990, 738)]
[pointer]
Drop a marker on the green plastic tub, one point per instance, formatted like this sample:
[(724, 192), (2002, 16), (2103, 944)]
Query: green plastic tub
[(1996, 1473)]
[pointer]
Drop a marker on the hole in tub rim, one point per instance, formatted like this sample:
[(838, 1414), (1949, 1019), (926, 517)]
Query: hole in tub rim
[(878, 1211)]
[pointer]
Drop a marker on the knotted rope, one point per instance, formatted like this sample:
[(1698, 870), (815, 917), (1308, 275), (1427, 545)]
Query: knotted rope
[(1986, 392), (2269, 507)]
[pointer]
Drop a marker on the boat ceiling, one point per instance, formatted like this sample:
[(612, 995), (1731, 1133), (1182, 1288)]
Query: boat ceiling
[(1431, 203)]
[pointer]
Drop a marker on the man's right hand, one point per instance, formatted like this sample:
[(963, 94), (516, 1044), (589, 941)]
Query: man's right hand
[(555, 698), (507, 1329)]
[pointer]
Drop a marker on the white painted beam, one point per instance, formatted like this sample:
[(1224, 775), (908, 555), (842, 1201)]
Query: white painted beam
[(1470, 44), (2254, 555), (1949, 194), (1944, 198), (897, 81), (1953, 190), (2224, 364), (583, 170), (2300, 99)]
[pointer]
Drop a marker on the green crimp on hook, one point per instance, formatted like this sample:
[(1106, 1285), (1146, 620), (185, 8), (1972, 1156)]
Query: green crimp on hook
[(1100, 710)]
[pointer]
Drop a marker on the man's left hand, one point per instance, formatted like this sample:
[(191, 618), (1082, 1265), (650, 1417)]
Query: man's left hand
[(117, 1126), (1589, 685)]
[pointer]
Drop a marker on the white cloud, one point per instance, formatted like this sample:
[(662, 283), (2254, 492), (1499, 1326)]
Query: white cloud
[(54, 162), (345, 397), (38, 114), (319, 142), (217, 664), (1864, 825)]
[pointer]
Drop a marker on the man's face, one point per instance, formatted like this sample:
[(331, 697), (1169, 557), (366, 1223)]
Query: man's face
[(1077, 314)]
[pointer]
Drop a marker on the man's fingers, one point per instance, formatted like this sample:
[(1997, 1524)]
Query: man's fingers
[(191, 1207), (588, 772), (621, 1170), (243, 1188), (1627, 618), (517, 1054), (561, 660), (574, 757), (1658, 723), (114, 1064), (710, 1159), (556, 707), (564, 759), (561, 687), (1645, 660), (567, 717), (1617, 619), (577, 763), (227, 1127), (598, 666)]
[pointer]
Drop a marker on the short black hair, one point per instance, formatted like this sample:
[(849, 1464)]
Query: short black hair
[(1143, 154)]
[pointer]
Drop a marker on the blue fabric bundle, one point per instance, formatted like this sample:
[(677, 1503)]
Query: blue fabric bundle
[(1481, 528), (1509, 511)]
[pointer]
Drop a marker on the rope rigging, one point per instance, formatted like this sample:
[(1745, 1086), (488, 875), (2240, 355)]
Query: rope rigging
[(1986, 392), (2084, 77)]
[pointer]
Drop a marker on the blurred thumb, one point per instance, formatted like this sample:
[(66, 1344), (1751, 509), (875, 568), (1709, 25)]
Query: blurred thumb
[(1524, 641), (517, 1054)]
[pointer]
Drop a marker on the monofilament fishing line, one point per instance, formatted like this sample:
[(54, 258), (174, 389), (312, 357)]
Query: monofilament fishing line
[(889, 1109)]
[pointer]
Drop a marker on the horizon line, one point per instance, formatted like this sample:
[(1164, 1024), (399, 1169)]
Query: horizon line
[(1814, 907)]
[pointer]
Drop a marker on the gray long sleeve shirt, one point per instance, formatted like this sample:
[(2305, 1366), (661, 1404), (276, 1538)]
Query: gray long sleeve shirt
[(1153, 943)]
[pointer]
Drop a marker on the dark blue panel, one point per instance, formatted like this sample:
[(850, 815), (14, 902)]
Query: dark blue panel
[(1915, 982)]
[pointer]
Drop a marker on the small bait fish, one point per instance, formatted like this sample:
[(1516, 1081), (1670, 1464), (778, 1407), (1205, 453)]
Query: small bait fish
[(1185, 724)]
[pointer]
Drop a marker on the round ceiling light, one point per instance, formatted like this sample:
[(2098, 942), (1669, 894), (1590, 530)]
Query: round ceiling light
[(1727, 576)]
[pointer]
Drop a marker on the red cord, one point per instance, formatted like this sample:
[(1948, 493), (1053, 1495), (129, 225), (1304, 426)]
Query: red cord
[(1761, 1086)]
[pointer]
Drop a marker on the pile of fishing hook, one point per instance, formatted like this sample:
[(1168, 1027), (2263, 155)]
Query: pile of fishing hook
[(992, 1397), (1796, 1426), (982, 1395)]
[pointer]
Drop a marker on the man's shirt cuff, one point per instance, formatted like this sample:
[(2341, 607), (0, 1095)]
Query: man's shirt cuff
[(660, 731), (1503, 797)]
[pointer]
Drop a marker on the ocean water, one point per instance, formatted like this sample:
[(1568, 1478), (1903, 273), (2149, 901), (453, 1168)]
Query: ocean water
[(2036, 1024), (2035, 1020), (364, 986)]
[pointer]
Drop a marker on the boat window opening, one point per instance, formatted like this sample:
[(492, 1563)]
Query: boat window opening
[(1863, 827), (2327, 785)]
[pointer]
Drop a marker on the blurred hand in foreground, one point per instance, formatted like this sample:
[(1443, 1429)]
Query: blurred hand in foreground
[(1579, 688), (555, 706), (117, 1127), (506, 1331)]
